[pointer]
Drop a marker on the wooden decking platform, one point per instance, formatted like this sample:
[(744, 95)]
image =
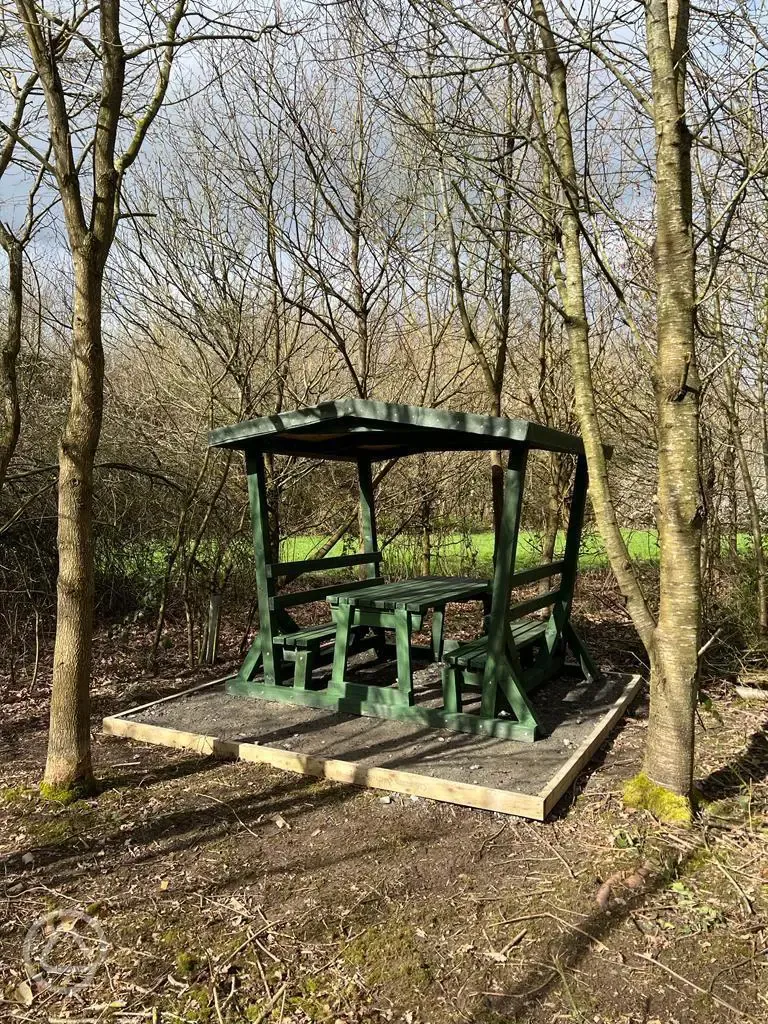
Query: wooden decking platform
[(525, 779)]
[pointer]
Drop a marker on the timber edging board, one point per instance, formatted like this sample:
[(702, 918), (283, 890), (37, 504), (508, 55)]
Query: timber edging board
[(525, 805)]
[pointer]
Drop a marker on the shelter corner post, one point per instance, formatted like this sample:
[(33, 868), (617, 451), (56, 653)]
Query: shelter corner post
[(257, 496), (499, 672), (368, 534)]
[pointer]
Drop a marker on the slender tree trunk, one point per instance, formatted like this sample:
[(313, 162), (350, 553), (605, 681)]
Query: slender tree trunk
[(556, 485), (670, 744), (69, 758), (570, 285), (10, 412), (762, 404), (672, 643), (426, 535), (733, 498), (754, 521), (708, 553)]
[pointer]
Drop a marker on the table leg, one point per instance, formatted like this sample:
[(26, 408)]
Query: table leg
[(403, 648), (342, 616), (438, 633)]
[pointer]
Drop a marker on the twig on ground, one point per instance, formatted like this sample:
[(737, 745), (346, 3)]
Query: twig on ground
[(692, 984), (560, 920), (207, 796), (270, 1003)]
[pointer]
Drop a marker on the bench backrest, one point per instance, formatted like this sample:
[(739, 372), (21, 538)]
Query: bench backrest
[(292, 570)]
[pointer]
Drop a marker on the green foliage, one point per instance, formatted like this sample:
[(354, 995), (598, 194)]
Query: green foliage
[(199, 1005), (644, 794), (622, 840), (706, 915)]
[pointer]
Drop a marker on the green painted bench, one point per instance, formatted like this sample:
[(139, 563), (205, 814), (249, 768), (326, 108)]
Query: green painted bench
[(302, 647), (465, 668), (306, 639), (472, 654)]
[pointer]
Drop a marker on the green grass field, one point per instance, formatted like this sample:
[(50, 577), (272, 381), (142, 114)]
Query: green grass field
[(455, 553), (142, 566)]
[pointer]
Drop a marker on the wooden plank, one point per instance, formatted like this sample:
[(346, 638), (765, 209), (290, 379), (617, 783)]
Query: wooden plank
[(349, 772), (551, 793), (405, 424), (292, 570), (533, 604), (173, 696), (472, 654), (304, 637), (538, 572), (437, 718), (318, 594), (286, 694), (416, 595)]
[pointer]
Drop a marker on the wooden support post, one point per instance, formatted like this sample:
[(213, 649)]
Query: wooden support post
[(368, 532), (403, 652), (302, 669), (498, 668), (452, 689), (342, 616), (265, 585), (438, 633), (367, 513), (561, 609)]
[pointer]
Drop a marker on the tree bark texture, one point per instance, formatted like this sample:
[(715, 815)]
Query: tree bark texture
[(670, 742), (69, 759), (10, 412)]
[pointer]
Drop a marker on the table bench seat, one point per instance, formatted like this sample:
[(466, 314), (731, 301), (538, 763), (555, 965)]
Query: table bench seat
[(472, 654), (304, 639)]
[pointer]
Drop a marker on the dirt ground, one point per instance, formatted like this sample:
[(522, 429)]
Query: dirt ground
[(228, 892)]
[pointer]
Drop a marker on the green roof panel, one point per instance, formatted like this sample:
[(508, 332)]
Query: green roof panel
[(351, 428)]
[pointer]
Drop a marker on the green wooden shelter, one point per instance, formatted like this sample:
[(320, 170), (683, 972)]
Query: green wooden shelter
[(486, 681)]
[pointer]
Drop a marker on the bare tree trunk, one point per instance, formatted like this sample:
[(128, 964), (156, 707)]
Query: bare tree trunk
[(757, 538), (426, 535), (69, 759), (710, 537), (10, 413), (762, 402), (672, 643), (733, 498), (670, 743), (557, 483), (570, 284)]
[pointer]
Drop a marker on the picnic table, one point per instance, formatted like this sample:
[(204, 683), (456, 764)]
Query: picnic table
[(400, 606)]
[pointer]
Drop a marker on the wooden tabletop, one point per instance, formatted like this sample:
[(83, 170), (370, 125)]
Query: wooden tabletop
[(416, 595)]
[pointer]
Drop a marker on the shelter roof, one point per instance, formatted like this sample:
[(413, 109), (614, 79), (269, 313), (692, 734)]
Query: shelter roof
[(354, 428)]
